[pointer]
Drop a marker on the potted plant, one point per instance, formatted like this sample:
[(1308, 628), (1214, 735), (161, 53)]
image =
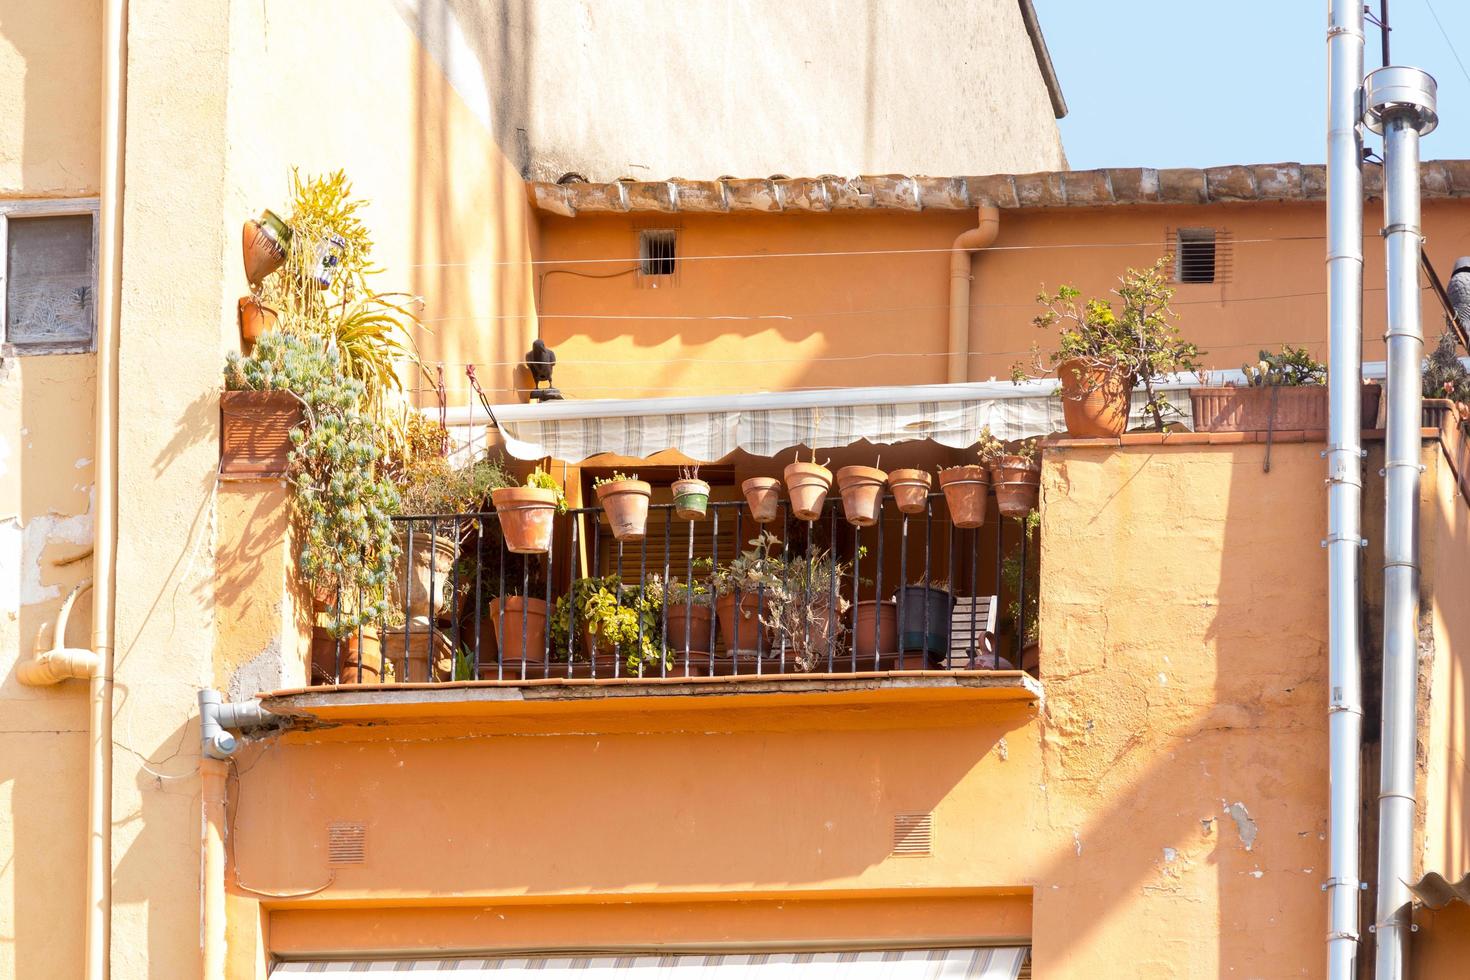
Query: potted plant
[(341, 502), (1016, 476), (625, 500), (688, 614), (875, 628), (615, 622), (264, 242), (926, 608), (348, 659), (763, 497), (1280, 391), (259, 407), (805, 607), (742, 588), (1446, 385), (527, 512), (1102, 354), (520, 628), (966, 492), (255, 318), (807, 485), (862, 494), (691, 494), (911, 489)]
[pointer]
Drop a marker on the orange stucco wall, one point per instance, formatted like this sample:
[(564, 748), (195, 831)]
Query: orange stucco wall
[(772, 321)]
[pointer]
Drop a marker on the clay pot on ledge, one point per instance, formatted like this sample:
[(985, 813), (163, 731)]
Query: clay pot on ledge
[(255, 319), (696, 619), (740, 625), (911, 489), (361, 658), (763, 497), (862, 494), (880, 615), (1095, 399), (1017, 482), (691, 499), (522, 636), (807, 485), (626, 504), (264, 242), (431, 574), (966, 493), (526, 515)]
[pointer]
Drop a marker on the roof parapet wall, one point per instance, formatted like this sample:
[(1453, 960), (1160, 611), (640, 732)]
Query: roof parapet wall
[(1056, 189)]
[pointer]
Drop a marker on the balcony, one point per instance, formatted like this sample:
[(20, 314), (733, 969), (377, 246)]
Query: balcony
[(721, 603)]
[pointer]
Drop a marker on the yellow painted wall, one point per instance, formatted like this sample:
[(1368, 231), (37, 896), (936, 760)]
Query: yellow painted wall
[(777, 323), (50, 56)]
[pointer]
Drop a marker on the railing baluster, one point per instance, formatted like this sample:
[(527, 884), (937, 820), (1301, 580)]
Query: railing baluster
[(903, 578), (689, 600), (500, 614), (576, 523), (975, 641), (453, 607), (928, 527), (1000, 559), (878, 588), (479, 597), (546, 633), (1021, 599), (834, 616), (525, 612), (857, 562), (663, 602), (433, 579), (407, 593), (714, 550)]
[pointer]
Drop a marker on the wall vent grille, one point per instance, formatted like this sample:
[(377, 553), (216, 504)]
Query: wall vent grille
[(913, 834), (1201, 255), (346, 844)]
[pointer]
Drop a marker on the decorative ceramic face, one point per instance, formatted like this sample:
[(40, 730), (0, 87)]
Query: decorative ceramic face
[(328, 257)]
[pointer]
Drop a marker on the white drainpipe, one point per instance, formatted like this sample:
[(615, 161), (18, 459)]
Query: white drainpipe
[(1400, 104), (1344, 481)]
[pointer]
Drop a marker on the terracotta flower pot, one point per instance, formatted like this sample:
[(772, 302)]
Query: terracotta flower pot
[(884, 615), (696, 619), (255, 319), (255, 432), (264, 242), (626, 504), (432, 574), (1017, 483), (409, 648), (691, 499), (862, 494), (361, 662), (807, 485), (522, 636), (910, 489), (1095, 399), (763, 497), (966, 490), (526, 515), (746, 619)]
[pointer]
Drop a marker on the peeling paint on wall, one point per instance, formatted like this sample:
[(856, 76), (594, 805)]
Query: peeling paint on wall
[(21, 549), (1244, 825)]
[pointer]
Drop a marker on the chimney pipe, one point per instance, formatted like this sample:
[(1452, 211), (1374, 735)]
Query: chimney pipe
[(1400, 104), (1344, 480)]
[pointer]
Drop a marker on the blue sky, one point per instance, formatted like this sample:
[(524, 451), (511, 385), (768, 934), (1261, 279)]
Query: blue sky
[(1182, 83)]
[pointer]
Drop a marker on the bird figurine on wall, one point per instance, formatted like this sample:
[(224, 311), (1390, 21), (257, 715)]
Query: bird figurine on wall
[(540, 360)]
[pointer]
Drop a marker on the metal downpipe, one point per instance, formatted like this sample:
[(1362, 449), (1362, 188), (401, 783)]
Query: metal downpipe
[(1400, 103), (1344, 481)]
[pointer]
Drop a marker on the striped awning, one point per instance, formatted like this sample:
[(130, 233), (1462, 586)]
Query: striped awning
[(988, 963), (711, 428)]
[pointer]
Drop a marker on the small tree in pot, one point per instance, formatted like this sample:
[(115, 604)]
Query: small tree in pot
[(1103, 353)]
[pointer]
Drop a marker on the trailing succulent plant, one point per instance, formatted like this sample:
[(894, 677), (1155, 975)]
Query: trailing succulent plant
[(1293, 367), (342, 505)]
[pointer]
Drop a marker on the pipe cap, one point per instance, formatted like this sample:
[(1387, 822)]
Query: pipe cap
[(1394, 89)]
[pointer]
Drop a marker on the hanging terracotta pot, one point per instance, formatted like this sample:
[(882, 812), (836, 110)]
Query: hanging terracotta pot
[(763, 496), (910, 489), (1095, 399), (264, 242), (862, 494), (522, 635), (966, 489), (431, 574), (691, 499), (255, 319), (526, 515), (626, 504), (807, 485), (1017, 482)]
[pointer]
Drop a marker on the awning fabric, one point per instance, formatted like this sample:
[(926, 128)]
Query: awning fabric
[(990, 963), (765, 424)]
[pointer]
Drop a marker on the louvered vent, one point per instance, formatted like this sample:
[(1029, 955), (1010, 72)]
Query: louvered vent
[(1201, 255), (346, 844), (913, 834)]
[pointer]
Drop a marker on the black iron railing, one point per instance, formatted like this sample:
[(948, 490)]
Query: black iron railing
[(716, 596)]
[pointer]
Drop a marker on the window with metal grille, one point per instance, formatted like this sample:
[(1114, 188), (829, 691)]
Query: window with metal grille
[(47, 303), (657, 252), (1194, 261)]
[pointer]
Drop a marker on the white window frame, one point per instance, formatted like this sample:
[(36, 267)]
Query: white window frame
[(47, 208)]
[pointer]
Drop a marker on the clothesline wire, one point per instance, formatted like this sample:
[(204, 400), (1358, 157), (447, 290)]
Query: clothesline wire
[(945, 250)]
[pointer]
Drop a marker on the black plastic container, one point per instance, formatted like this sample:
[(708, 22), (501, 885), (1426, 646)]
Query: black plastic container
[(912, 602)]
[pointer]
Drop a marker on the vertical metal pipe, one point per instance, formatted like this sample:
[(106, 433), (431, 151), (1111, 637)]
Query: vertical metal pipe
[(1344, 480), (1400, 104)]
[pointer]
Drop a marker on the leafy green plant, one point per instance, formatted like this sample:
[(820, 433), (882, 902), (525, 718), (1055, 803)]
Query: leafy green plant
[(805, 606), (1140, 341), (542, 480), (615, 477), (1444, 375), (990, 448), (1293, 367), (753, 569), (342, 506), (620, 618), (1026, 449)]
